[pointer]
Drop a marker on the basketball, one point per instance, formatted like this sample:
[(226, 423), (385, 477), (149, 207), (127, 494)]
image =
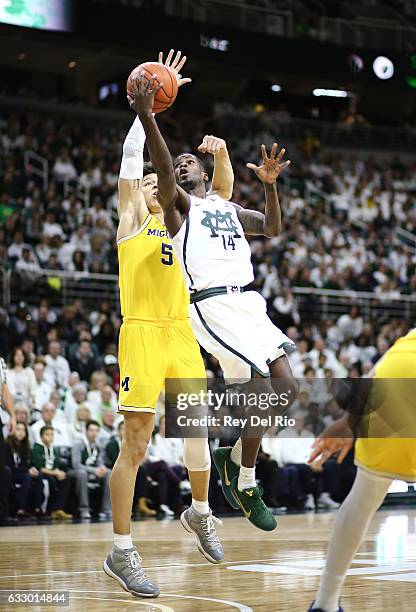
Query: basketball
[(166, 96)]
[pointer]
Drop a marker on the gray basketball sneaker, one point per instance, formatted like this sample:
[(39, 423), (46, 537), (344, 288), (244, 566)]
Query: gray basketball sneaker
[(202, 525), (125, 566)]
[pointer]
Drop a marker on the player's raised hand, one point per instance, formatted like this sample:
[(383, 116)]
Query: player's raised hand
[(144, 92), (336, 438), (271, 166), (212, 145), (176, 65)]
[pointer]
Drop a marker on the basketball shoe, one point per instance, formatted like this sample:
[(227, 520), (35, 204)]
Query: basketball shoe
[(254, 508), (227, 470), (125, 566), (202, 525)]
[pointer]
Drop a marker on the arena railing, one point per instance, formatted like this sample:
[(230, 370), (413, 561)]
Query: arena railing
[(39, 165), (62, 288), (366, 137), (316, 304), (373, 32)]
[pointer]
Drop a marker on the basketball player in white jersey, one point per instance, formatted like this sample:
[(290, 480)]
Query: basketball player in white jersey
[(229, 322)]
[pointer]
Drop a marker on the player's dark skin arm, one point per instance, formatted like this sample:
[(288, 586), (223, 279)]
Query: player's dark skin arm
[(174, 201), (269, 224)]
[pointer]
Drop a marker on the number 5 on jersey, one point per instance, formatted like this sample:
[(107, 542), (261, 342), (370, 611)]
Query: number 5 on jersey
[(167, 254)]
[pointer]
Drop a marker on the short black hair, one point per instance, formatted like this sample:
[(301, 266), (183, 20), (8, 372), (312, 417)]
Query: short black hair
[(45, 428), (201, 165), (148, 168), (92, 422)]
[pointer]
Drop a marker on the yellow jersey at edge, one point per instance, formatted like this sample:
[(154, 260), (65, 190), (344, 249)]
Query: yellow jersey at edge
[(150, 278)]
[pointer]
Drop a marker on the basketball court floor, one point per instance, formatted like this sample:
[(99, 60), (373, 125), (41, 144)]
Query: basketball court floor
[(276, 572)]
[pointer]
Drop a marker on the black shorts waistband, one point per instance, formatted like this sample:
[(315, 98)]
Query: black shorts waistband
[(197, 296)]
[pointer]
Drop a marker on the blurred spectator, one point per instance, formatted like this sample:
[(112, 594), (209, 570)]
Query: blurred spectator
[(63, 168), (21, 379), (48, 417), (57, 367), (22, 473), (89, 470), (83, 361), (43, 389), (45, 458)]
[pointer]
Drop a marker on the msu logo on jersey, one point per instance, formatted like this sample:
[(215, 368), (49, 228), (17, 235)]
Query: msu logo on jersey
[(220, 222)]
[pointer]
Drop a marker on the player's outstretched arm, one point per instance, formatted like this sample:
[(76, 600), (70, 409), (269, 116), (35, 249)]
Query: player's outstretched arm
[(131, 207), (223, 177), (270, 223), (170, 197)]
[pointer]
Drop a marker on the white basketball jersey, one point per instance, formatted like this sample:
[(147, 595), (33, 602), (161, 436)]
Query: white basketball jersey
[(211, 246)]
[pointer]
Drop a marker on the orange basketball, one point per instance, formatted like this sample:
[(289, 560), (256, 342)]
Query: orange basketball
[(166, 96)]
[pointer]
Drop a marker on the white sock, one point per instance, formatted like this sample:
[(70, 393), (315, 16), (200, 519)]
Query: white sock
[(350, 525), (236, 452), (202, 507), (246, 478), (123, 541)]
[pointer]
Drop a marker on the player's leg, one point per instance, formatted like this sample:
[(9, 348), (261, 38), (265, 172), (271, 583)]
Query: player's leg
[(351, 523), (188, 372), (124, 562), (243, 486)]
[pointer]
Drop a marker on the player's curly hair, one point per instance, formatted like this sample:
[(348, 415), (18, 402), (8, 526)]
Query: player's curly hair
[(148, 168)]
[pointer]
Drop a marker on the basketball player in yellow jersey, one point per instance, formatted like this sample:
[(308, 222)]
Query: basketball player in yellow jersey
[(384, 455), (156, 342)]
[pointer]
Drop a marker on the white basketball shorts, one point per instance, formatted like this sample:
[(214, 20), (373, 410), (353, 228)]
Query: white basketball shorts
[(235, 329)]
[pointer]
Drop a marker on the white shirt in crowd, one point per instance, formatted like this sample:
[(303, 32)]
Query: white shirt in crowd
[(289, 446), (22, 385), (62, 436), (166, 449), (57, 371), (42, 393)]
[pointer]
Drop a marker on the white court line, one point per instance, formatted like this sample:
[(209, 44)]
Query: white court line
[(152, 567), (234, 604)]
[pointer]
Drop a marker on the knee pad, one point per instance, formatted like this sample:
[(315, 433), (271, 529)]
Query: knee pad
[(196, 455)]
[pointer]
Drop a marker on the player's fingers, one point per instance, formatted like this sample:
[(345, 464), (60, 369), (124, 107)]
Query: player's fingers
[(160, 59), (176, 60), (169, 58), (315, 452), (273, 151), (181, 64), (284, 165), (184, 81), (263, 153), (252, 167), (281, 154), (150, 84), (342, 455)]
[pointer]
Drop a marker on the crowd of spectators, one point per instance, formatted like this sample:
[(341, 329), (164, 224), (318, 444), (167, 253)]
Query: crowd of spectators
[(340, 216)]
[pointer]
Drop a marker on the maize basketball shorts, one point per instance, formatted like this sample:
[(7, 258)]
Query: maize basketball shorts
[(151, 352), (387, 451)]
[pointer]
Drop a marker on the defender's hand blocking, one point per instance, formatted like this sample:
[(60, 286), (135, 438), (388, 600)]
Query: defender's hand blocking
[(271, 166), (143, 94), (212, 145), (176, 65), (335, 438)]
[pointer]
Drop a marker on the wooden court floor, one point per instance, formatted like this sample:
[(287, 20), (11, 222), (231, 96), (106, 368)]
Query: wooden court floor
[(262, 572)]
